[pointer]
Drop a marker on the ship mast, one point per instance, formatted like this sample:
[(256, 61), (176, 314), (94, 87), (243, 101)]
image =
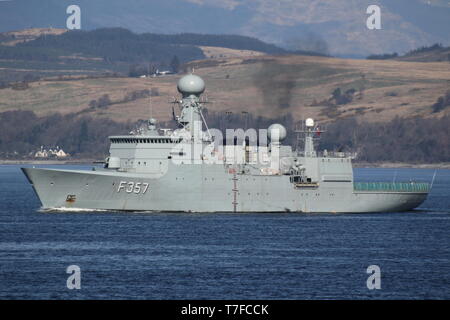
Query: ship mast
[(191, 87), (309, 138), (309, 131)]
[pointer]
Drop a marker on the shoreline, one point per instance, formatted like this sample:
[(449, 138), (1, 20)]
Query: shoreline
[(394, 165), (442, 165), (50, 162)]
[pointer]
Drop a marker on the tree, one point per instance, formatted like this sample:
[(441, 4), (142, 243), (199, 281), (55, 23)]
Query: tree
[(83, 134), (336, 93), (442, 103), (104, 101), (345, 98)]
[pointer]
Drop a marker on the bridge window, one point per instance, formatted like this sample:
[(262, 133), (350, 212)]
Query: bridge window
[(145, 140)]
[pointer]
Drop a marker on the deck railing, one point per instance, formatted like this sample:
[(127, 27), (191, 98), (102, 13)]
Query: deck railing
[(392, 187)]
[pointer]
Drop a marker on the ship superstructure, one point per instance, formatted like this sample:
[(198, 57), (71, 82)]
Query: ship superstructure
[(189, 170)]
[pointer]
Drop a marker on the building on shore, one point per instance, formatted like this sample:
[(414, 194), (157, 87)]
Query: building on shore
[(57, 152)]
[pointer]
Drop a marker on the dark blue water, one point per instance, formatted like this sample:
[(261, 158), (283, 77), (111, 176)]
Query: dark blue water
[(225, 256)]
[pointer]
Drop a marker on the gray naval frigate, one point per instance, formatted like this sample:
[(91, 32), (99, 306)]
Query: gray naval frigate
[(188, 170)]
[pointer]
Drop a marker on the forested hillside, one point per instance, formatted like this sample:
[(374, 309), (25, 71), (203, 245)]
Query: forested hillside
[(412, 140), (112, 45), (434, 53), (74, 89), (110, 51), (336, 27), (121, 45)]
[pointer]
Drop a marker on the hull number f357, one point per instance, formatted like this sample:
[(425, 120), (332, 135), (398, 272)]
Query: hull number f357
[(133, 187)]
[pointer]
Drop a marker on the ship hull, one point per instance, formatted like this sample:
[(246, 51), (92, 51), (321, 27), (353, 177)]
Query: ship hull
[(205, 188)]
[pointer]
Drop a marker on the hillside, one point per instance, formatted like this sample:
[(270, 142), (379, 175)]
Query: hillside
[(302, 86), (428, 54), (271, 86), (48, 52), (434, 53), (335, 27), (13, 38)]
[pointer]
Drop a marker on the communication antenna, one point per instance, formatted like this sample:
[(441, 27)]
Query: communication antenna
[(206, 125), (245, 114), (173, 102), (151, 106), (432, 181)]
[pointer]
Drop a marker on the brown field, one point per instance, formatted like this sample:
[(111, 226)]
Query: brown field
[(218, 52), (264, 85), (30, 34)]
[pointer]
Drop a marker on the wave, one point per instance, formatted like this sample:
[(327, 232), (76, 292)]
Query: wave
[(64, 209)]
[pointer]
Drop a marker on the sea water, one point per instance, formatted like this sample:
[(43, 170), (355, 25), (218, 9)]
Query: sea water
[(225, 256)]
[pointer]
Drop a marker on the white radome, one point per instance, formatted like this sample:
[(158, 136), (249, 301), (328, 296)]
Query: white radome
[(309, 122), (191, 84), (276, 132)]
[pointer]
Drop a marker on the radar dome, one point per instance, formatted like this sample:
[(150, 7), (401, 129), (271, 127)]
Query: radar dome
[(191, 84), (309, 122), (276, 132)]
